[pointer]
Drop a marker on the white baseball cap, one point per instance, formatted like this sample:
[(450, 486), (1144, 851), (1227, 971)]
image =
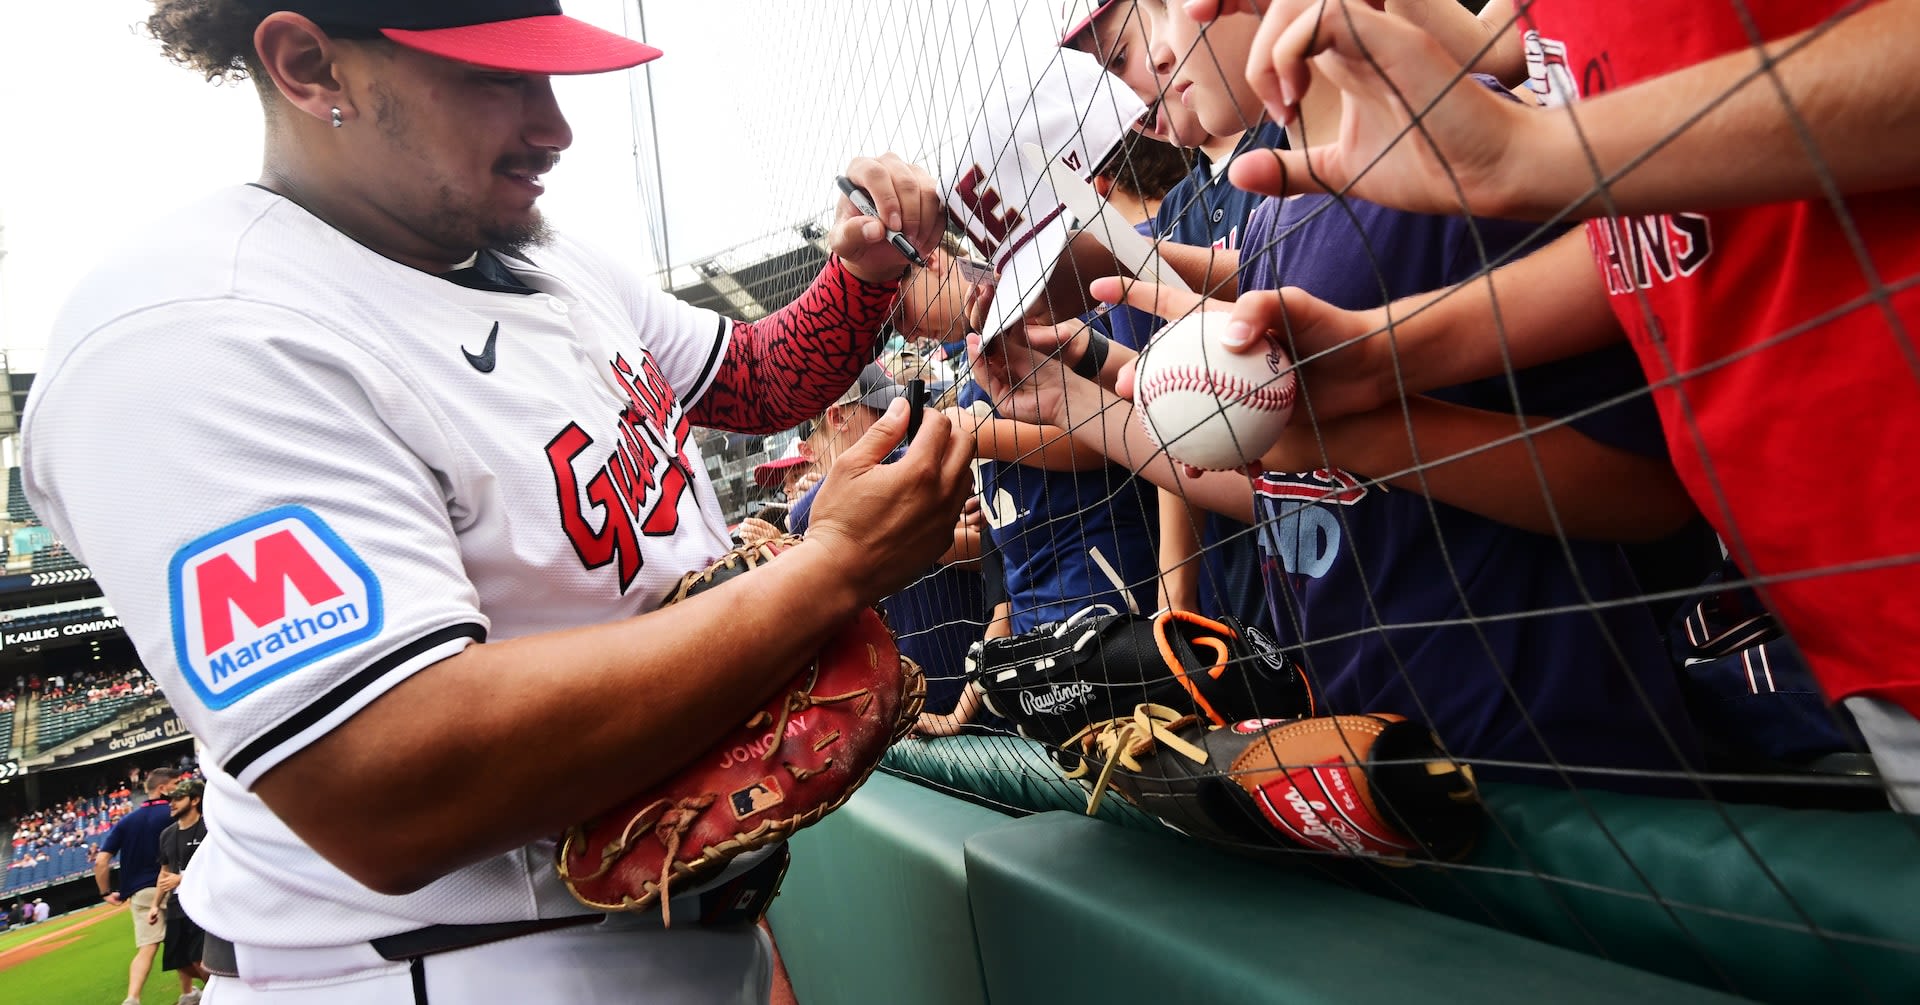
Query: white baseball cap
[(1077, 113)]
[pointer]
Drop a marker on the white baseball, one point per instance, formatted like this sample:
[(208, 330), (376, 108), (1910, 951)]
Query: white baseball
[(1210, 408)]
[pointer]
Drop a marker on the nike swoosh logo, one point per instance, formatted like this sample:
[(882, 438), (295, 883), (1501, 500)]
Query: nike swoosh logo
[(484, 361)]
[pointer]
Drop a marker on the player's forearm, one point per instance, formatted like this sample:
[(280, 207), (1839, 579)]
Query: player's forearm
[(1554, 481), (1547, 306), (1853, 85), (571, 722), (789, 366), (103, 872)]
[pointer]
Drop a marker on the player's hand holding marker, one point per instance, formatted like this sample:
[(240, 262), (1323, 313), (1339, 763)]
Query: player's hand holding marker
[(889, 522), (906, 201)]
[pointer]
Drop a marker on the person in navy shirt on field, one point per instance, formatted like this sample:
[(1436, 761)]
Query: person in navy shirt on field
[(136, 840)]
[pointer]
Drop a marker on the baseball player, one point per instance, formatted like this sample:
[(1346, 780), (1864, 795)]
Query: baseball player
[(413, 474), (1754, 241)]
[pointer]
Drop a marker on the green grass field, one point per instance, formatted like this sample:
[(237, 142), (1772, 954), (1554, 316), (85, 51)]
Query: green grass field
[(89, 971)]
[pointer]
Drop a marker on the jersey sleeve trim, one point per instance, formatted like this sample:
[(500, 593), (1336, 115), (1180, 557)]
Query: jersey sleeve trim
[(711, 368), (250, 757)]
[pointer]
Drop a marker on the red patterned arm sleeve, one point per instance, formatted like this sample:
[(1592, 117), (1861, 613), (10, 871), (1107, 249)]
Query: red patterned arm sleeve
[(789, 366)]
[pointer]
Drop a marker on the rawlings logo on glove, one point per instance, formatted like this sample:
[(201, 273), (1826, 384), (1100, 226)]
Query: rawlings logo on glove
[(1209, 727), (789, 764), (1054, 682)]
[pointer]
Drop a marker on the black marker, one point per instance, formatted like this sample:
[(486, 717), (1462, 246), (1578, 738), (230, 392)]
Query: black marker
[(916, 405), (864, 203)]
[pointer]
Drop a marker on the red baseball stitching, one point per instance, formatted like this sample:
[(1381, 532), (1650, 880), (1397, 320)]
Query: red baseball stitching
[(1228, 389)]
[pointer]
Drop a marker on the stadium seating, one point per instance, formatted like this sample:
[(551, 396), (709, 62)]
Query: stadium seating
[(54, 558), (62, 864), (17, 508), (53, 618), (57, 728)]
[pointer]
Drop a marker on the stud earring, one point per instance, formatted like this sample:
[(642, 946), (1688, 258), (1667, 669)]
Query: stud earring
[(336, 117)]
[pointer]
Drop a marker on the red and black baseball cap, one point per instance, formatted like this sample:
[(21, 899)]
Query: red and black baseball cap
[(1078, 16), (521, 36)]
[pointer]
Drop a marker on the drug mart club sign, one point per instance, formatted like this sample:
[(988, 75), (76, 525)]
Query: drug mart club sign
[(33, 638)]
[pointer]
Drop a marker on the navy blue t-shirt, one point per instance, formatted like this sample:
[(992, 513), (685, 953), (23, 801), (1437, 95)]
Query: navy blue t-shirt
[(1403, 603), (136, 839), (1068, 539), (934, 619), (1205, 210)]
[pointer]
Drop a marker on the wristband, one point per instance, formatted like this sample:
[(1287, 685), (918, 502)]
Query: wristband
[(1091, 361)]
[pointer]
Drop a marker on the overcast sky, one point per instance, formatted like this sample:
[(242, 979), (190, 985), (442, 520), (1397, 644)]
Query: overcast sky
[(758, 103)]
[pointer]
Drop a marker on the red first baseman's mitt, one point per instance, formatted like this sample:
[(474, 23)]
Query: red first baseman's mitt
[(789, 764)]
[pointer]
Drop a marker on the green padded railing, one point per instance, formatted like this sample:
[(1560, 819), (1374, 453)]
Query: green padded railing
[(874, 907), (1774, 904), (1071, 910)]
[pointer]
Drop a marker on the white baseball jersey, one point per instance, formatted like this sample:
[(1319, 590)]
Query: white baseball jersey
[(303, 472)]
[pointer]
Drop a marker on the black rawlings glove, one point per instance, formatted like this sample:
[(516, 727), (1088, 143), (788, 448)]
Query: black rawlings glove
[(1054, 683)]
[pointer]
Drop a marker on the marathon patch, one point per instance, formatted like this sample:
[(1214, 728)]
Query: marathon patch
[(261, 598)]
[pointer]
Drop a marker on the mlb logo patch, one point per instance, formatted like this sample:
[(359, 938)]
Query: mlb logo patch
[(259, 599)]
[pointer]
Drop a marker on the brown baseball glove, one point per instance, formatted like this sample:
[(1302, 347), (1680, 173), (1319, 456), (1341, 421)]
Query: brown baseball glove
[(1374, 786), (789, 764)]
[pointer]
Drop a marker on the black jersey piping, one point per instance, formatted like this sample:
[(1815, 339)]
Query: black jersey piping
[(722, 338), (325, 705)]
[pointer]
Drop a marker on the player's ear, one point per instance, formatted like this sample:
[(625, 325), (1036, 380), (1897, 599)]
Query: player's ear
[(301, 59), (1102, 185)]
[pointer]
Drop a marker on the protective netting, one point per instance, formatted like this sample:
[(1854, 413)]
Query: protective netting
[(1617, 508)]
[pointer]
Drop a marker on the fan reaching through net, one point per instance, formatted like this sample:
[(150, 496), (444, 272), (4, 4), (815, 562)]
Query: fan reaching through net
[(1595, 329)]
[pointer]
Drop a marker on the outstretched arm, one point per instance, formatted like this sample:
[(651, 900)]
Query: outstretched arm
[(548, 734), (1547, 306), (1831, 105), (1548, 479), (789, 366)]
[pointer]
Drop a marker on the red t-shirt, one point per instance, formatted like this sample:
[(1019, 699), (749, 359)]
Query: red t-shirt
[(1788, 378)]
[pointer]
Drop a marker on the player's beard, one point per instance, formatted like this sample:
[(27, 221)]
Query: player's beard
[(455, 223)]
